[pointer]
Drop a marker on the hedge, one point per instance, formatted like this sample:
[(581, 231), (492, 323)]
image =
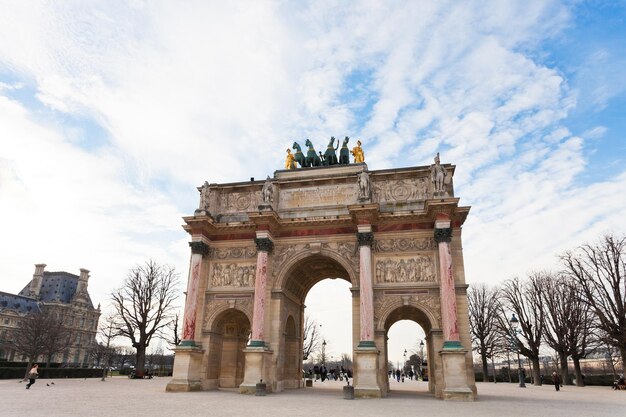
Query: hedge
[(49, 373)]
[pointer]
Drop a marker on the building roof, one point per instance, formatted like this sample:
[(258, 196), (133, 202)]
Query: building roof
[(57, 287), (19, 303)]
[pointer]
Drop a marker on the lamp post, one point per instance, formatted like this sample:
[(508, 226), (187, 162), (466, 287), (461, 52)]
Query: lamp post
[(404, 364), (421, 359), (324, 352), (514, 324)]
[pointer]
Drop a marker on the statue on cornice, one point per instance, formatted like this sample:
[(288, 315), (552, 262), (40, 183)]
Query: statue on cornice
[(290, 160), (440, 178), (344, 152), (204, 197), (357, 152), (364, 186), (267, 193)]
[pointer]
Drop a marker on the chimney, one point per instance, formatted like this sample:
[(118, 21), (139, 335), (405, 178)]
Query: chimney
[(35, 284), (82, 281)]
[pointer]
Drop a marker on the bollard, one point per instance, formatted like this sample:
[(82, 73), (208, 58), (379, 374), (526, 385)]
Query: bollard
[(261, 389), (348, 392), (309, 383)]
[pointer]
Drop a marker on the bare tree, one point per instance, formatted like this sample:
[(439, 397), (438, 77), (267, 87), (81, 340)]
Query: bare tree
[(107, 333), (524, 298), (311, 338), (558, 300), (144, 306), (598, 270), (483, 313), (41, 333), (174, 340)]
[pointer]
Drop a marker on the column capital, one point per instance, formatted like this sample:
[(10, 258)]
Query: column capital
[(443, 235), (365, 238), (264, 244), (199, 247)]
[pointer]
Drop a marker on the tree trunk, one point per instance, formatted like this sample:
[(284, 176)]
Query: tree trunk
[(536, 372), (493, 366), (141, 360), (579, 375), (485, 367), (565, 379), (623, 352)]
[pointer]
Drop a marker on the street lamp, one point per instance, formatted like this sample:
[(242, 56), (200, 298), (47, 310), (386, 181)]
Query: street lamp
[(404, 364), (324, 352), (421, 359), (514, 325)]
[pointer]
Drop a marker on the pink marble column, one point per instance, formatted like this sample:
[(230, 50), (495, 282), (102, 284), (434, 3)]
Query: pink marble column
[(198, 250), (443, 236), (366, 292), (264, 246)]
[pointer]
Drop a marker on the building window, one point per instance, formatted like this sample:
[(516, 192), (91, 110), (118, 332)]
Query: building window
[(78, 339), (82, 323), (7, 321)]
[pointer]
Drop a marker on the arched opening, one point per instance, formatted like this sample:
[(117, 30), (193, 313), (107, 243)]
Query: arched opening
[(406, 350), (229, 337), (296, 284)]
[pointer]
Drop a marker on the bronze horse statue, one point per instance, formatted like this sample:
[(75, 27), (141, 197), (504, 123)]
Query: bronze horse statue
[(312, 159), (344, 153), (330, 156), (299, 156)]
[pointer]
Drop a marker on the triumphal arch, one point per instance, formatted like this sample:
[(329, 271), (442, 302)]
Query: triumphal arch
[(258, 247)]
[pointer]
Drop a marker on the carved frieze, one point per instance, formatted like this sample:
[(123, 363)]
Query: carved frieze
[(239, 201), (282, 253), (233, 275), (414, 189), (347, 250), (233, 253), (419, 268), (404, 245)]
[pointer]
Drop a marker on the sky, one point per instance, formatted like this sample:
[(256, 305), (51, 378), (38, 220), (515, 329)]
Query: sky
[(112, 113)]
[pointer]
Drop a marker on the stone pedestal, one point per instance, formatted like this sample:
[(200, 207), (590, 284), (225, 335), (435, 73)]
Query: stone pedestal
[(187, 367), (258, 361), (366, 371), (455, 375)]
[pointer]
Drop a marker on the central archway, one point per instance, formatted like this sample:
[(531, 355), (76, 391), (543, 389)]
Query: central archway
[(291, 287)]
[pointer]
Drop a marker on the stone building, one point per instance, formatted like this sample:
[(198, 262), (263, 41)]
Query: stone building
[(258, 247), (57, 292)]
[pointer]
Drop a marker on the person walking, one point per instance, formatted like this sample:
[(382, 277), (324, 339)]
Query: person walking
[(556, 381), (32, 375)]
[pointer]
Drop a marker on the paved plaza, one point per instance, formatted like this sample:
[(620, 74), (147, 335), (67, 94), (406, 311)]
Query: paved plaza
[(125, 397)]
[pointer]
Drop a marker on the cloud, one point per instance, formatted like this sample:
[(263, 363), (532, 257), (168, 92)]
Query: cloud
[(217, 91)]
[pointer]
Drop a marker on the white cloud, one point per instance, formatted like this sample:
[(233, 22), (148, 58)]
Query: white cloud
[(217, 91)]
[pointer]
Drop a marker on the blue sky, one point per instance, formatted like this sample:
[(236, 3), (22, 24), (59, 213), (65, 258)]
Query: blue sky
[(111, 113)]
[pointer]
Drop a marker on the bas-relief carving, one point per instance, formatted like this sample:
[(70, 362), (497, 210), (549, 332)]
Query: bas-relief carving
[(227, 253), (404, 245), (239, 202), (413, 189), (419, 268), (385, 304), (347, 251), (233, 275), (214, 308)]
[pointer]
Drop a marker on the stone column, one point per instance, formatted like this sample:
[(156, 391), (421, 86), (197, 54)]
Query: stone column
[(443, 236), (198, 250), (187, 372), (264, 247), (453, 356), (257, 353), (366, 293), (366, 354)]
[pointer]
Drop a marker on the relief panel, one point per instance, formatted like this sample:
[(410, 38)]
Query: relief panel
[(419, 268)]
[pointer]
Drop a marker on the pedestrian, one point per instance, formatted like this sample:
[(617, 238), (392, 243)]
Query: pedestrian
[(32, 375), (398, 373), (556, 381)]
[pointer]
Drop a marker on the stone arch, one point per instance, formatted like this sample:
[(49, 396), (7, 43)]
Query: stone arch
[(384, 310), (292, 350), (228, 336), (218, 307), (303, 263)]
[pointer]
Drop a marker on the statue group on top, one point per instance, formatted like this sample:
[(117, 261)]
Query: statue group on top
[(328, 158)]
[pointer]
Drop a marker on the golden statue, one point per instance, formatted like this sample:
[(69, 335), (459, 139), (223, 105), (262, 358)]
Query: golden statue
[(357, 152), (289, 161)]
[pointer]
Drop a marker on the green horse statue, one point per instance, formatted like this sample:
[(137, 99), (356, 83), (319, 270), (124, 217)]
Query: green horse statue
[(312, 159), (344, 153), (299, 156), (330, 156)]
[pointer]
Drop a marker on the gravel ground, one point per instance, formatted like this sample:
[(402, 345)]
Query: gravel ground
[(125, 397)]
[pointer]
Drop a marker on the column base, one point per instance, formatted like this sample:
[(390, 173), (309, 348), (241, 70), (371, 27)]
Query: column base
[(366, 372), (187, 367), (455, 378), (257, 369)]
